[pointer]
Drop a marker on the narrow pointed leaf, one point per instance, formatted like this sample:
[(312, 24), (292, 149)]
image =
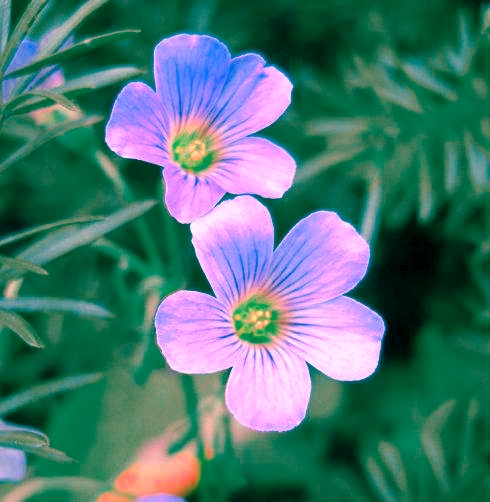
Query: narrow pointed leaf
[(62, 305), (23, 438), (63, 31), (322, 162), (4, 23), (423, 77), (18, 104), (460, 60), (75, 50), (337, 126), (372, 206), (45, 136), (82, 85), (31, 16), (486, 19), (44, 228), (451, 166), (98, 79), (392, 459), (47, 389), (469, 433), (431, 441), (427, 199), (19, 265), (478, 163), (49, 453), (399, 95), (21, 327), (379, 482), (61, 242)]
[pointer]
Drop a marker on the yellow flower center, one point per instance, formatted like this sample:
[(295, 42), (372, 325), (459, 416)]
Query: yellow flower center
[(193, 152), (256, 321)]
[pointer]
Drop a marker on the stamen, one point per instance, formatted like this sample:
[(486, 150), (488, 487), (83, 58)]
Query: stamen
[(256, 321), (193, 152)]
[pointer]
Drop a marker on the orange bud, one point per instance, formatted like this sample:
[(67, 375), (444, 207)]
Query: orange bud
[(112, 497), (177, 474)]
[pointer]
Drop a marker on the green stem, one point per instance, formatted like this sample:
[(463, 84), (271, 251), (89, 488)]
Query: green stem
[(228, 446), (192, 404), (125, 196), (125, 259), (148, 350), (172, 243)]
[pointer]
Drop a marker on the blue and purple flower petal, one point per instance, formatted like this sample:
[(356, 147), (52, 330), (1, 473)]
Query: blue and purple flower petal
[(273, 311), (160, 498), (196, 125), (26, 53), (13, 463)]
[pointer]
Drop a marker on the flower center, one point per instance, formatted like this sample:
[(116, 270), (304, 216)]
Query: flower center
[(193, 152), (256, 321)]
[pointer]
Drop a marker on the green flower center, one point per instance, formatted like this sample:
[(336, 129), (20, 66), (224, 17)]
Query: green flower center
[(193, 152), (256, 321)]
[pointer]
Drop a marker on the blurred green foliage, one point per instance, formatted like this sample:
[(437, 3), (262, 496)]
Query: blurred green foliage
[(390, 125)]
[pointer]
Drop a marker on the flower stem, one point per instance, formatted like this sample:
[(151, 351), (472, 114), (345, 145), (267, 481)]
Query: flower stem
[(229, 449), (125, 196), (172, 243), (192, 406)]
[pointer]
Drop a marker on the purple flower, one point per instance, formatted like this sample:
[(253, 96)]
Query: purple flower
[(273, 311), (196, 125), (160, 498), (26, 53), (13, 464)]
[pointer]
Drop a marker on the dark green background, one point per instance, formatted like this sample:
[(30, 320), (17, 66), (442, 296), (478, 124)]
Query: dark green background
[(418, 429)]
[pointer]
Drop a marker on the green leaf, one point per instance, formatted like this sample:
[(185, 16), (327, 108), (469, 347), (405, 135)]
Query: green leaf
[(21, 327), (392, 460), (48, 389), (378, 480), (61, 242), (20, 265), (75, 50), (374, 196), (62, 305), (63, 31), (469, 430), (43, 228), (19, 102), (98, 79), (31, 441), (398, 95), (322, 162), (379, 79), (45, 136), (486, 19), (423, 77), (451, 166), (478, 163), (49, 453), (4, 23), (23, 438), (460, 60), (86, 83), (431, 441), (427, 196), (31, 16), (320, 127)]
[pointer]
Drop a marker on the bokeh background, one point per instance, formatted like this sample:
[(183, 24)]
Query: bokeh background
[(390, 127)]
